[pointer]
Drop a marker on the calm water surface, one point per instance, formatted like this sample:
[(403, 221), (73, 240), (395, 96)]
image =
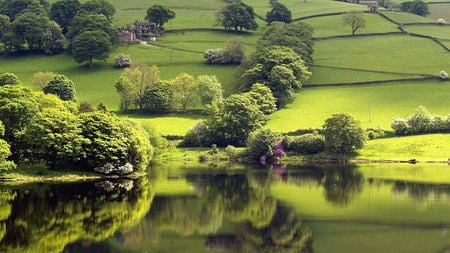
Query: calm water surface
[(367, 208)]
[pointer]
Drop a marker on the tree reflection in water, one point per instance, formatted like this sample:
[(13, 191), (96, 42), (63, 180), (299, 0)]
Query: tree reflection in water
[(342, 185)]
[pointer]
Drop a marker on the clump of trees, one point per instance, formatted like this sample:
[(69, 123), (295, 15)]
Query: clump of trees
[(421, 122), (42, 127), (237, 16), (417, 7), (159, 14), (141, 88)]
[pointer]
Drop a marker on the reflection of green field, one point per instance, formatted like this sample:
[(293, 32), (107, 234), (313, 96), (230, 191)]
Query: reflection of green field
[(357, 238), (434, 147), (424, 173), (386, 101), (332, 26), (376, 203)]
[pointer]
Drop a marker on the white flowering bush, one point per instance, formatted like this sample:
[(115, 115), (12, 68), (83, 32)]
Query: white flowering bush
[(214, 56), (116, 170), (443, 75), (122, 61), (441, 21)]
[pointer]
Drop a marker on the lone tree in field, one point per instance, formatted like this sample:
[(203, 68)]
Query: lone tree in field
[(343, 134), (89, 45), (355, 20), (159, 14), (61, 86), (237, 16), (279, 13)]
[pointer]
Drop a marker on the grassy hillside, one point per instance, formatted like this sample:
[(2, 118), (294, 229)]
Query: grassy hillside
[(386, 101)]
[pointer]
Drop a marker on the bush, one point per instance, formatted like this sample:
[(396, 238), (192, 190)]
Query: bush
[(214, 56), (261, 144), (441, 21), (308, 144), (420, 121), (122, 61), (9, 79), (198, 136), (400, 126), (443, 75)]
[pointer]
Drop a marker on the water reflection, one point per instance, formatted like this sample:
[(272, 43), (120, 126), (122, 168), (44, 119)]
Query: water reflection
[(229, 211)]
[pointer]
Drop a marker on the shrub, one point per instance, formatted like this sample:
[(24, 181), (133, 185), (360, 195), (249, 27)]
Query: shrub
[(261, 143), (400, 126), (443, 75), (420, 121), (441, 21), (233, 153), (122, 61), (308, 144), (198, 136), (9, 79), (214, 56)]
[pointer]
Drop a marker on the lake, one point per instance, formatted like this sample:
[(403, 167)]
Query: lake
[(232, 208)]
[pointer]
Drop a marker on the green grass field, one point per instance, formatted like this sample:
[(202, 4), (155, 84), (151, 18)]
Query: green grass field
[(433, 147), (402, 17), (442, 33), (373, 105), (441, 10), (375, 24)]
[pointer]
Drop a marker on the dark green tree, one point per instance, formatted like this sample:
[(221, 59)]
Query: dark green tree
[(5, 25), (279, 13), (158, 97), (54, 40), (263, 97), (297, 36), (233, 120), (89, 45), (91, 22), (99, 7), (63, 11), (61, 86), (419, 7), (237, 16), (261, 143), (31, 29), (159, 14), (343, 134), (9, 79)]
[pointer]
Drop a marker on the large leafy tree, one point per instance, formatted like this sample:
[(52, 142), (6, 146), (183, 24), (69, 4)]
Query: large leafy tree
[(63, 11), (184, 90), (279, 13), (343, 134), (297, 36), (133, 82), (5, 152), (61, 86), (210, 89), (159, 14), (30, 28), (237, 16), (54, 136), (100, 7), (89, 45), (158, 97), (233, 120), (91, 22), (5, 25), (279, 68)]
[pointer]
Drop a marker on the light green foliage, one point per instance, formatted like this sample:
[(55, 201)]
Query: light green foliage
[(61, 86), (209, 88), (355, 20), (261, 143), (54, 135), (89, 45), (343, 134), (233, 120), (184, 90), (9, 79), (237, 16), (264, 98), (5, 152), (308, 144), (133, 82), (159, 14), (279, 13), (281, 69), (40, 79)]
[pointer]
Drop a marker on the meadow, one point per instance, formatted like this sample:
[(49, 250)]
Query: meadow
[(373, 105)]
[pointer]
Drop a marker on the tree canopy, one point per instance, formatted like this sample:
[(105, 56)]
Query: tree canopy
[(237, 16), (279, 13), (159, 14), (89, 45), (61, 86), (355, 20)]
